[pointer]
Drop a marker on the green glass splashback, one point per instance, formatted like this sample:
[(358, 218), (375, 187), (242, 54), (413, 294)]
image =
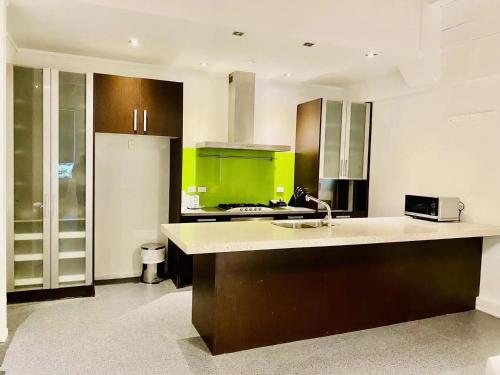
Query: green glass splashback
[(236, 176)]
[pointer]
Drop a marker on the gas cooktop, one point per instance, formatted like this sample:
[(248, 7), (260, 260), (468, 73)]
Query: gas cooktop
[(237, 207)]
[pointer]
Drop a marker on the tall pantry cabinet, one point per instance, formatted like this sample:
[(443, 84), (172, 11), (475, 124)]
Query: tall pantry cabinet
[(332, 154), (138, 160), (50, 190)]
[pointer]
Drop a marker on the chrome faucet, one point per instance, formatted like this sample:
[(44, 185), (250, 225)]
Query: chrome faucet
[(328, 216)]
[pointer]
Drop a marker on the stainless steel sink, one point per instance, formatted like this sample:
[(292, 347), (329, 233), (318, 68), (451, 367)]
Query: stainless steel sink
[(300, 224)]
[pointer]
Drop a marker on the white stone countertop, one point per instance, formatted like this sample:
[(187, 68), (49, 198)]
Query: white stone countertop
[(214, 211), (220, 237)]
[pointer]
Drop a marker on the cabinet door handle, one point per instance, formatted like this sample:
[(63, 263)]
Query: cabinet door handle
[(135, 120), (345, 168), (145, 120), (342, 168), (46, 206), (53, 206)]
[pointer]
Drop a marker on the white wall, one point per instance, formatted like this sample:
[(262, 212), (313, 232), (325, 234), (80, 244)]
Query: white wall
[(3, 178), (131, 200), (415, 149)]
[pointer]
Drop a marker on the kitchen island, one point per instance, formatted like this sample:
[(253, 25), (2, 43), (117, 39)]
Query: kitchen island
[(258, 284)]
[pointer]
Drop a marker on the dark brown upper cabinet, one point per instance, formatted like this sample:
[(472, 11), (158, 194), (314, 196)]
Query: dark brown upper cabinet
[(161, 106), (307, 146), (115, 100), (137, 106)]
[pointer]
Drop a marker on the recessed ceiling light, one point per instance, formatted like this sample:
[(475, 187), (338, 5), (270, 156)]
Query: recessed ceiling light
[(308, 44), (238, 33), (371, 55), (134, 42), (204, 64), (288, 75)]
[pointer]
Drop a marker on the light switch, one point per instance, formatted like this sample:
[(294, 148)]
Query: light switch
[(131, 144), (280, 189), (202, 189), (191, 189)]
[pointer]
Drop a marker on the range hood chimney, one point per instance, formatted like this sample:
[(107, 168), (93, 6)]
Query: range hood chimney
[(241, 107), (241, 117)]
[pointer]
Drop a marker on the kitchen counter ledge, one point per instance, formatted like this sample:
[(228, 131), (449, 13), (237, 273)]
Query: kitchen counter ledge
[(223, 237), (214, 211)]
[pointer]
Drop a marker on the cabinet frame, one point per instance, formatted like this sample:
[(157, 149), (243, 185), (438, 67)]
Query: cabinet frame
[(54, 172), (9, 135), (345, 138), (344, 141), (89, 178), (153, 99), (322, 137), (346, 150), (46, 142), (50, 179), (47, 181)]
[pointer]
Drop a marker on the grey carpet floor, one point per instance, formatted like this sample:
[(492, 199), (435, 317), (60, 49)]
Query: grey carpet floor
[(146, 329)]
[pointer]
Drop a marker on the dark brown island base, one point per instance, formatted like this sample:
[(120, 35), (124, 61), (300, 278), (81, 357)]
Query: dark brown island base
[(250, 298)]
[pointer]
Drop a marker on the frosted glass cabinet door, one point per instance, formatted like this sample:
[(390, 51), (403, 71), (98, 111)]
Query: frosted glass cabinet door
[(71, 182), (357, 141), (332, 139), (30, 225)]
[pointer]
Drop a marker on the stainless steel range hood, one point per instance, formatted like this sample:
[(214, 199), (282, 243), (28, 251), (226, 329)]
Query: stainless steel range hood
[(241, 117)]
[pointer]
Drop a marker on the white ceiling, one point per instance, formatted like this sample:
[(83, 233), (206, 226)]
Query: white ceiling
[(184, 33)]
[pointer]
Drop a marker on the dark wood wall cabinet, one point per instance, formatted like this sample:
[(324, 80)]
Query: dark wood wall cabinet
[(128, 105), (307, 145)]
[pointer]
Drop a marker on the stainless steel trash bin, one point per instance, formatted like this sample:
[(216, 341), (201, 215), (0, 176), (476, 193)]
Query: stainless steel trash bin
[(152, 254)]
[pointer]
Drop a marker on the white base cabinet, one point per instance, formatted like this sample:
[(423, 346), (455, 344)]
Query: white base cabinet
[(50, 171)]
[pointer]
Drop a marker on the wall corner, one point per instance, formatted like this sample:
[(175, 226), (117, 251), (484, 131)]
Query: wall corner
[(488, 305), (4, 334)]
